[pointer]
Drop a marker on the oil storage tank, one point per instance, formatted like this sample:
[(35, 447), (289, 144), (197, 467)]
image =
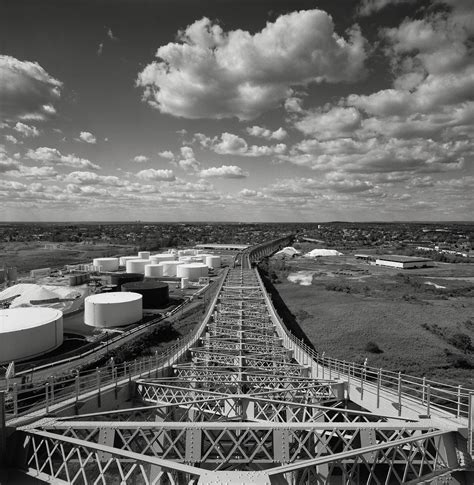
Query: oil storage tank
[(29, 332), (192, 271), (155, 294), (153, 271), (213, 261), (136, 265), (144, 254), (123, 259), (106, 264), (106, 310), (169, 267), (120, 278), (158, 258)]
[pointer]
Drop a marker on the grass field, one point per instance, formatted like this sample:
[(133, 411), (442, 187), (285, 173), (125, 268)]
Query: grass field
[(420, 329), (28, 256)]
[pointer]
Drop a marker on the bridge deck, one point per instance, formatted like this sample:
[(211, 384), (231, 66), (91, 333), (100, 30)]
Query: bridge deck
[(242, 401)]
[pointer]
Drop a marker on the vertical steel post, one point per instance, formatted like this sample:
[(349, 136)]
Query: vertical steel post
[(3, 430), (428, 400), (46, 396), (15, 399), (423, 395), (399, 393), (77, 386), (379, 383), (99, 403), (470, 424), (458, 413)]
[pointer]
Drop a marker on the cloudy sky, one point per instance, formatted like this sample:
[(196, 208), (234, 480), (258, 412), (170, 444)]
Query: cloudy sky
[(242, 110)]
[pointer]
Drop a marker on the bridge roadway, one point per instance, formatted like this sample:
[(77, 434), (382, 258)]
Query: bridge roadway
[(241, 402)]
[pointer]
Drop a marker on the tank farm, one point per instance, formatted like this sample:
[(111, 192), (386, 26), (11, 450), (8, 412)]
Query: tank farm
[(241, 400)]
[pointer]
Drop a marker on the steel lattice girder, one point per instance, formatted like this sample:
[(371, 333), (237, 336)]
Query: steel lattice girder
[(235, 410)]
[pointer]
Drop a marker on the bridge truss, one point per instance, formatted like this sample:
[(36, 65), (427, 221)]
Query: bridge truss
[(239, 406)]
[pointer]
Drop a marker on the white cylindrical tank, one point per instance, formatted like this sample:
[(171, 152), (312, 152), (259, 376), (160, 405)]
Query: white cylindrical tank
[(144, 254), (136, 265), (169, 267), (213, 261), (192, 271), (106, 264), (29, 332), (184, 283), (153, 270), (124, 259), (105, 310), (158, 258)]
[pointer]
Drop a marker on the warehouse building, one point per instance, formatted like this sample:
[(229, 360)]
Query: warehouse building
[(404, 262)]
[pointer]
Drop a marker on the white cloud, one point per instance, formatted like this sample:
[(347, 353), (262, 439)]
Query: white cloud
[(100, 49), (11, 139), (378, 155), (188, 161), (152, 174), (169, 155), (261, 132), (210, 73), (26, 130), (87, 137), (141, 159), (111, 35), (91, 178), (53, 156), (368, 7), (224, 171), (36, 173), (27, 91), (337, 122), (230, 144)]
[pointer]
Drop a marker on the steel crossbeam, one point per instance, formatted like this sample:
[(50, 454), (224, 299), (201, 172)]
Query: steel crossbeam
[(239, 409)]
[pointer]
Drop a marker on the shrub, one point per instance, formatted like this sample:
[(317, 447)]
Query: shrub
[(373, 348), (461, 341)]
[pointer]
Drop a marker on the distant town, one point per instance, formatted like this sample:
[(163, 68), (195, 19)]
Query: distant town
[(450, 242)]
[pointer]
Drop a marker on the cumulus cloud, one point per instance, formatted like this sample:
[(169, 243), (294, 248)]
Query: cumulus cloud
[(92, 178), (157, 175), (36, 173), (27, 91), (261, 132), (369, 7), (141, 159), (378, 155), (169, 155), (111, 35), (11, 139), (224, 171), (210, 73), (52, 156), (87, 137), (26, 130), (337, 122), (188, 160), (231, 144)]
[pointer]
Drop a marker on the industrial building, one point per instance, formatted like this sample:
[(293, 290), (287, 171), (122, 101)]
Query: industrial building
[(107, 310), (404, 262), (154, 294), (223, 247), (28, 332)]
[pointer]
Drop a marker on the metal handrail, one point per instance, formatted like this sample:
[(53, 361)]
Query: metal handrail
[(447, 398), (23, 400)]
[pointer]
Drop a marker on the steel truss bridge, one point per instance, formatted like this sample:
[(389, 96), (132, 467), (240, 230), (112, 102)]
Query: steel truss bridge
[(242, 401)]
